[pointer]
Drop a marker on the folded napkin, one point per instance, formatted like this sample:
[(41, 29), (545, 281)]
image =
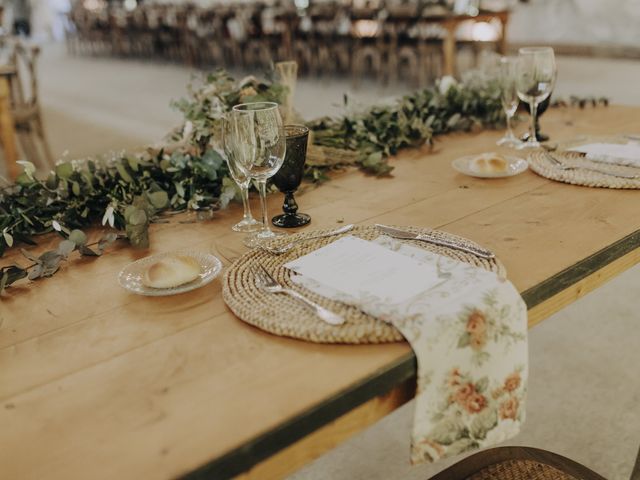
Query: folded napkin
[(627, 154), (469, 334)]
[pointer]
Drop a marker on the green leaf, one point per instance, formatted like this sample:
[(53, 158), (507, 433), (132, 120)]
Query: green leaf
[(52, 181), (106, 240), (50, 261), (29, 256), (138, 235), (65, 248), (29, 168), (75, 188), (8, 239), (133, 163), (35, 272), (78, 237), (159, 199), (25, 180), (64, 170), (15, 273), (137, 217), (123, 173)]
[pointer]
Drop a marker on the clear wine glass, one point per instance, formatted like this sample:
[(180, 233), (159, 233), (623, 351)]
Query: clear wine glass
[(535, 79), (509, 98), (248, 223), (260, 145)]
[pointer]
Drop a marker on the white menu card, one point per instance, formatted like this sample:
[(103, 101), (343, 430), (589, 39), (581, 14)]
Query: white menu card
[(360, 268), (625, 154)]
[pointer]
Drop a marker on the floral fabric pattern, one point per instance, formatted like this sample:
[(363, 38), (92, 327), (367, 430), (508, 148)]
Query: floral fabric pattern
[(469, 334)]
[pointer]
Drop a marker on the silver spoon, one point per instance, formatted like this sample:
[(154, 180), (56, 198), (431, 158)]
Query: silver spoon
[(285, 248)]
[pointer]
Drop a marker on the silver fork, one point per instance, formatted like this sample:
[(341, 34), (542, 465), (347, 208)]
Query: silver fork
[(562, 166), (290, 245), (267, 283)]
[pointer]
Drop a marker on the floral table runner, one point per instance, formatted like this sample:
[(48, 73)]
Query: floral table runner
[(469, 334)]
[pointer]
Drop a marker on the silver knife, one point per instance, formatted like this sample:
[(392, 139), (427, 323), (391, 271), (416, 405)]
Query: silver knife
[(435, 239)]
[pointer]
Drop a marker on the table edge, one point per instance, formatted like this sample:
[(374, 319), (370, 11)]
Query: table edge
[(243, 458)]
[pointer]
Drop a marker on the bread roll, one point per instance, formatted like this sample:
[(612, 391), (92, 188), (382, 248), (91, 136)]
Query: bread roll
[(489, 163), (171, 271)]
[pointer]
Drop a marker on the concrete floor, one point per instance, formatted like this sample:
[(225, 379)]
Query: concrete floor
[(584, 385)]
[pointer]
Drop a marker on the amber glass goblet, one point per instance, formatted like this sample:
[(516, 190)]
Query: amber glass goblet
[(289, 177)]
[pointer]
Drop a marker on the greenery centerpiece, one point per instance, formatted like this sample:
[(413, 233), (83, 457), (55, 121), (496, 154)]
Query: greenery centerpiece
[(128, 191)]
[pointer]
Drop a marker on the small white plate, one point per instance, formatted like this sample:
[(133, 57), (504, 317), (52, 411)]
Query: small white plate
[(515, 166), (130, 277)]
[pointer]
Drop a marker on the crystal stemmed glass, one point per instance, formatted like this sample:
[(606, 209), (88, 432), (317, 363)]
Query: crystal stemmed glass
[(535, 78), (248, 223), (260, 145), (509, 98)]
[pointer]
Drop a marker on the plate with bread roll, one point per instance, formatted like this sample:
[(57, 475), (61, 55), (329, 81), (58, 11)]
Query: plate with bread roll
[(170, 273), (490, 165)]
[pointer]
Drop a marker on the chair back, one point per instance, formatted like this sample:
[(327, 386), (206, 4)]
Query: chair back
[(24, 87)]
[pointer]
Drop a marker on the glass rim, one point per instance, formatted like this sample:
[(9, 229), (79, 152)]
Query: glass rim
[(526, 50), (301, 130), (253, 107)]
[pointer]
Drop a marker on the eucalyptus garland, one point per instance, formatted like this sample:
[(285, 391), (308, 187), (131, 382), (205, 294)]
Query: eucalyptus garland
[(129, 191)]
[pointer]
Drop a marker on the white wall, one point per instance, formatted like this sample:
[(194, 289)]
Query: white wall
[(577, 22)]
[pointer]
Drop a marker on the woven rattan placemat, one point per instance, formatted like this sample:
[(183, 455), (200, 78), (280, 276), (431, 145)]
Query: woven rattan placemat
[(571, 172), (281, 315)]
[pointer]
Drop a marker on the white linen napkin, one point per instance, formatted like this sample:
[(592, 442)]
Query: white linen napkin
[(627, 154), (469, 334)]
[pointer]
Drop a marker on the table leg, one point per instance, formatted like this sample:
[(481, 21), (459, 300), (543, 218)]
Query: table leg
[(449, 49), (7, 130), (502, 42)]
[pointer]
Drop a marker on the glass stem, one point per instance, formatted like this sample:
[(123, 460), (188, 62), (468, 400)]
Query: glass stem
[(533, 106), (509, 130), (244, 192), (262, 188)]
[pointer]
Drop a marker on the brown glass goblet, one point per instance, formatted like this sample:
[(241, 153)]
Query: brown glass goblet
[(289, 177)]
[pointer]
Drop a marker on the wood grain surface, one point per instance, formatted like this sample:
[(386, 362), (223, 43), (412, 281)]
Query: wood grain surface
[(98, 383)]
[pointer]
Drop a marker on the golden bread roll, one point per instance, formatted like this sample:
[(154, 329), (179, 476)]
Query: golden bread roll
[(171, 271), (489, 163)]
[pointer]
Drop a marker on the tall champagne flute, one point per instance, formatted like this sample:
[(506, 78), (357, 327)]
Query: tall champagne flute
[(509, 98), (535, 79), (260, 144), (248, 223)]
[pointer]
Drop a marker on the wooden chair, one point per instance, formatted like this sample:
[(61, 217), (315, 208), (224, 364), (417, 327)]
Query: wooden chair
[(26, 106), (517, 463), (368, 49)]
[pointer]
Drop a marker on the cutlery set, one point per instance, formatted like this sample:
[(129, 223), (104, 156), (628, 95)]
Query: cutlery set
[(563, 166), (266, 282)]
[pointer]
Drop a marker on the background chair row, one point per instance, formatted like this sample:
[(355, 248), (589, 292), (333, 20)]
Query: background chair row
[(387, 41)]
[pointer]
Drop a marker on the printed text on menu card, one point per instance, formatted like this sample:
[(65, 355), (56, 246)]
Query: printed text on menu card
[(360, 268)]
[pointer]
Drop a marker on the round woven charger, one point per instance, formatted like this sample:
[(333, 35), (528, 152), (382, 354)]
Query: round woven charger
[(543, 166), (282, 315)]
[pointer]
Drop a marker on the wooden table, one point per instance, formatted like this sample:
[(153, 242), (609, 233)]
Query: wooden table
[(97, 383)]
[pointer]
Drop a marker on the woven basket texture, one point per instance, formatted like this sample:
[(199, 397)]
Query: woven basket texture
[(282, 315)]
